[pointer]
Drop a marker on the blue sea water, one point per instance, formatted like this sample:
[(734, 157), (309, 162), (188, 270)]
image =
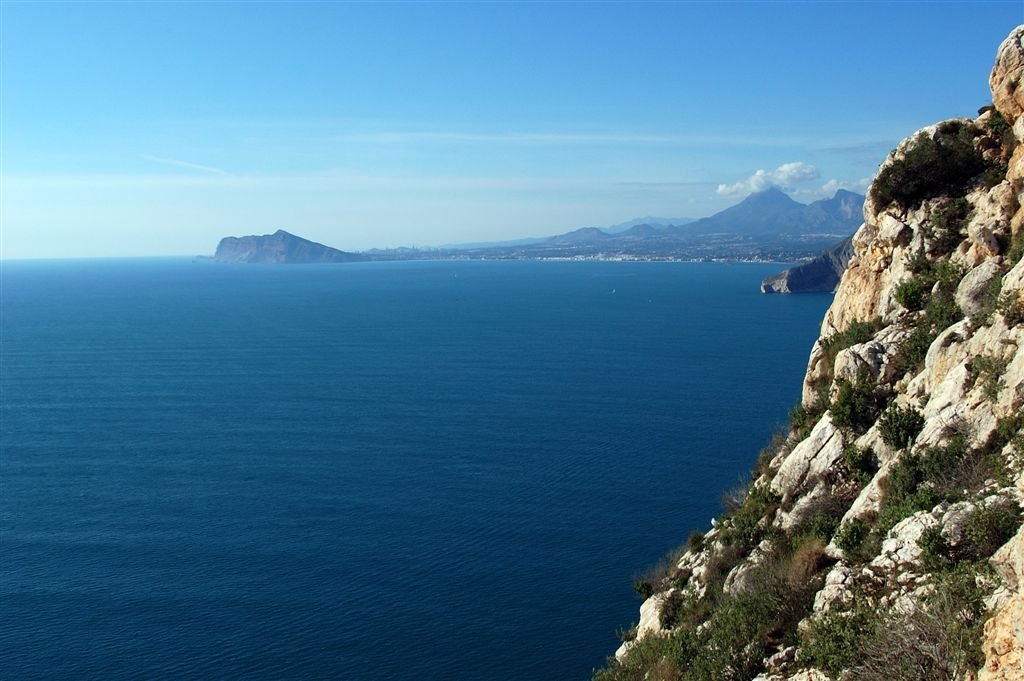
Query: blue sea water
[(430, 470)]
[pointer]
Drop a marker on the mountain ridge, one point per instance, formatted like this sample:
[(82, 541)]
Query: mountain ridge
[(764, 226)]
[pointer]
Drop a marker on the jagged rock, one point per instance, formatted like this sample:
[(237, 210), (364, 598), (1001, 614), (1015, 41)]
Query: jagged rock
[(1007, 78), (810, 675), (900, 547), (989, 227), (871, 360), (972, 293), (650, 622), (781, 660), (738, 578), (1003, 641), (836, 591), (812, 457), (1013, 281)]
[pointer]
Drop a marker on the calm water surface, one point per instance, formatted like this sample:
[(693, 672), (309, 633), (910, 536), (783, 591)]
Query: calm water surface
[(446, 470)]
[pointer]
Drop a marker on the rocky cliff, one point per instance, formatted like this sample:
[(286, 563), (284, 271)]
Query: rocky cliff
[(820, 275), (881, 537), (279, 248)]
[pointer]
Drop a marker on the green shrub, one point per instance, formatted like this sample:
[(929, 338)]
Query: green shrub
[(802, 420), (931, 167), (671, 610), (834, 641), (912, 351), (947, 225), (991, 369), (695, 542), (822, 525), (851, 534), (938, 639), (854, 334), (627, 635), (1016, 250), (1012, 309), (899, 426), (746, 528), (989, 527), (855, 406), (942, 311), (913, 293), (643, 588), (936, 554), (1001, 129), (861, 462)]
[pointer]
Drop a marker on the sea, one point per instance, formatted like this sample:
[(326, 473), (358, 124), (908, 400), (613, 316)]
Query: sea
[(412, 470)]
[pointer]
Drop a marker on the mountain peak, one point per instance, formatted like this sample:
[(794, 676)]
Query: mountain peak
[(772, 195)]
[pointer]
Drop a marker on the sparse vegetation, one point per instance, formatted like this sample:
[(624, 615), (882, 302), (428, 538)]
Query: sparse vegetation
[(947, 225), (990, 302), (899, 426), (856, 405), (939, 639), (931, 167), (851, 534), (861, 462), (991, 526), (1012, 309), (989, 370), (941, 310), (857, 332), (772, 574), (833, 642)]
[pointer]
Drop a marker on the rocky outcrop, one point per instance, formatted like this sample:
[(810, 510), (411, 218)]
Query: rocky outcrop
[(820, 275), (885, 532), (279, 248)]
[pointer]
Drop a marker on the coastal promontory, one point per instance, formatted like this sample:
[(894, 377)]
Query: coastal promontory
[(279, 248), (880, 537)]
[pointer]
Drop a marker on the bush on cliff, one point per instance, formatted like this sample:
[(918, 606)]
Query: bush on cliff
[(931, 167), (856, 405), (899, 426)]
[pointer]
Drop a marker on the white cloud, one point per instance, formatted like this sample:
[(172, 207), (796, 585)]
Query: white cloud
[(828, 189), (786, 176)]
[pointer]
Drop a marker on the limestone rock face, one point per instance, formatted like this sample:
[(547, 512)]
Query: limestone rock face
[(1006, 80), (954, 359), (1003, 643)]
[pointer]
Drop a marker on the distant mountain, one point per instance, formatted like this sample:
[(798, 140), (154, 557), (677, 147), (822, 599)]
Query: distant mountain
[(820, 275), (648, 220), (772, 211), (583, 235), (279, 248), (765, 226)]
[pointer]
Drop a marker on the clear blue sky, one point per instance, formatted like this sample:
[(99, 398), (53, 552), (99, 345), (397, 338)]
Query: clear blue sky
[(156, 128)]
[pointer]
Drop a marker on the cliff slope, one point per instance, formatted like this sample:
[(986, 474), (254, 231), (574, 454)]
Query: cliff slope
[(820, 275), (881, 537)]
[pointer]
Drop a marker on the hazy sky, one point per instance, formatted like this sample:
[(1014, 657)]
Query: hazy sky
[(156, 128)]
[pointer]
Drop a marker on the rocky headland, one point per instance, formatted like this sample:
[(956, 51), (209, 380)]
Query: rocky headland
[(820, 275), (880, 537), (279, 248)]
